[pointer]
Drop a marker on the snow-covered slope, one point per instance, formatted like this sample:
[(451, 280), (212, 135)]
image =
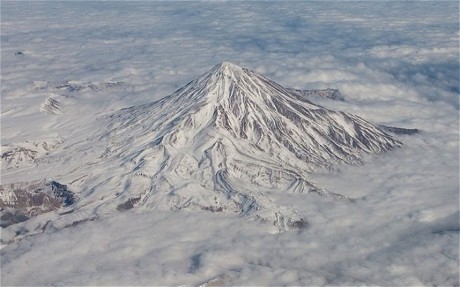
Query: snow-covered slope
[(26, 153), (223, 142), (52, 106)]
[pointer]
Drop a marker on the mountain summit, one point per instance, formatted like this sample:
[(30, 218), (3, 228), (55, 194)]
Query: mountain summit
[(227, 139), (228, 68)]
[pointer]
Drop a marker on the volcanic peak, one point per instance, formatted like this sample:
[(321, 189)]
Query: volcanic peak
[(227, 71), (228, 68), (223, 139)]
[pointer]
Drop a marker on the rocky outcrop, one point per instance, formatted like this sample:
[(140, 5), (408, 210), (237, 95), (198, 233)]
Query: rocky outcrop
[(21, 201)]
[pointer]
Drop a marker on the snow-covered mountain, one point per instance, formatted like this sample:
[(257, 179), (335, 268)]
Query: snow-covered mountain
[(26, 153), (226, 140), (147, 211), (52, 106), (230, 141)]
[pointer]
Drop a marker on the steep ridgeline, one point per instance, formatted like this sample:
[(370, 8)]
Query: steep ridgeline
[(224, 141), (331, 94)]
